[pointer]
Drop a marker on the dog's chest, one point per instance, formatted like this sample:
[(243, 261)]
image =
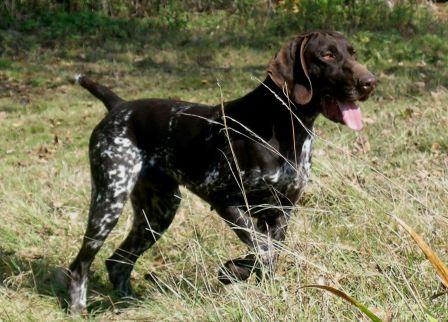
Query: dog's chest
[(288, 177)]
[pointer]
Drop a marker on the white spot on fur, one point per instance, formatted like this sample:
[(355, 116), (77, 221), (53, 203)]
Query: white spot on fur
[(122, 142), (273, 178), (211, 176), (78, 78), (78, 295), (305, 157), (117, 205)]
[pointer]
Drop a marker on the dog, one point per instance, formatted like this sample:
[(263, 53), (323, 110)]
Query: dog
[(250, 158)]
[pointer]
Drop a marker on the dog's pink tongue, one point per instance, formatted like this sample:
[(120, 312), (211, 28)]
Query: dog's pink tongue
[(351, 115)]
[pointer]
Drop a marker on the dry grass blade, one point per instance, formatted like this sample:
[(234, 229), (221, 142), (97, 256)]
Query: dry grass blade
[(347, 298), (439, 266)]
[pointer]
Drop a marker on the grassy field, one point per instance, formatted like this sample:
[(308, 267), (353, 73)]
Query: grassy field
[(341, 234)]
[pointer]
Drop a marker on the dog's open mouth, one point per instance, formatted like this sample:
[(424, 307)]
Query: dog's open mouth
[(345, 112)]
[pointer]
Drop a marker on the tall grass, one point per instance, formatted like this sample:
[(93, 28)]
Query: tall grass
[(340, 235)]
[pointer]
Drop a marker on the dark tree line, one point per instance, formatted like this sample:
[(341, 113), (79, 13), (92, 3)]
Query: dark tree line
[(131, 8)]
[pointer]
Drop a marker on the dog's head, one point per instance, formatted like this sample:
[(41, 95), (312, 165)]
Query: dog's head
[(318, 70)]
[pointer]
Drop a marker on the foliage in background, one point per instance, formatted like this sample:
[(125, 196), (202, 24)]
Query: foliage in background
[(280, 15), (406, 40)]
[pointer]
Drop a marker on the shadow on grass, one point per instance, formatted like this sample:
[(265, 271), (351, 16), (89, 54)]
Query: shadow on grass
[(42, 277)]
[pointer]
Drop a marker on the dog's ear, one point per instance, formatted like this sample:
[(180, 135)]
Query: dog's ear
[(288, 70)]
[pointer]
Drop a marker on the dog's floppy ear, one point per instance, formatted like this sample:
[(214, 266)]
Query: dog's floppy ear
[(289, 71)]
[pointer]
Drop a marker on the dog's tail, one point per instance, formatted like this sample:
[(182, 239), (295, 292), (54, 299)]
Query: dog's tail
[(109, 98)]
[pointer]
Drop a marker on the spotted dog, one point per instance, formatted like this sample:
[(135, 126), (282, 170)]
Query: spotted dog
[(249, 158)]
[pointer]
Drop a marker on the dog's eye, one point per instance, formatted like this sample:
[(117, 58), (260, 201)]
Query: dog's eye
[(328, 55)]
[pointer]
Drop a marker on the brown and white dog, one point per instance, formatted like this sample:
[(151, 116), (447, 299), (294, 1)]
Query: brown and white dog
[(251, 172)]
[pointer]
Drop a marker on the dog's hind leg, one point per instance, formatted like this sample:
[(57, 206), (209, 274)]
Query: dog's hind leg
[(155, 201), (114, 173)]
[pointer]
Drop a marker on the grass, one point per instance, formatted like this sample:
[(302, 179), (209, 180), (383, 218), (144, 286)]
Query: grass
[(341, 234)]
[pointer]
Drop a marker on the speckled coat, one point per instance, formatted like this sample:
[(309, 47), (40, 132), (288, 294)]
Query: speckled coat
[(250, 158)]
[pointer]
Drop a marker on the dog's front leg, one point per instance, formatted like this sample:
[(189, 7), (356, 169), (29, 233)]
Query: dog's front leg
[(274, 227), (257, 237)]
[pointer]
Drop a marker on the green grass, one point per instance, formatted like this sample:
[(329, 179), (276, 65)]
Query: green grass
[(340, 234)]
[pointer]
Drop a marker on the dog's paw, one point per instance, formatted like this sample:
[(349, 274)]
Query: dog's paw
[(78, 310), (125, 290), (235, 271)]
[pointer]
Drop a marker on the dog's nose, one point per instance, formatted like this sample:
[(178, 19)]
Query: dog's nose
[(367, 83)]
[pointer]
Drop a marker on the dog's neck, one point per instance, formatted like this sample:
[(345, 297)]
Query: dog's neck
[(266, 112)]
